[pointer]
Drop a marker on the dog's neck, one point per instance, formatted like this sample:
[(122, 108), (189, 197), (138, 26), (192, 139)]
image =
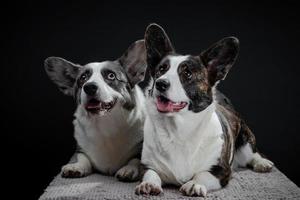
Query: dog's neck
[(184, 126)]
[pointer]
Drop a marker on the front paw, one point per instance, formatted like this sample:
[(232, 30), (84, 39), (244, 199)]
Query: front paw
[(193, 189), (128, 173), (262, 165), (72, 171), (148, 188)]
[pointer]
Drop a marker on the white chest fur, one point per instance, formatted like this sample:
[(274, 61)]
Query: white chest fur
[(177, 147), (111, 140)]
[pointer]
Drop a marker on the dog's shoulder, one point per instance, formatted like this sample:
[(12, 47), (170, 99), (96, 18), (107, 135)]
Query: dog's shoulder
[(228, 116)]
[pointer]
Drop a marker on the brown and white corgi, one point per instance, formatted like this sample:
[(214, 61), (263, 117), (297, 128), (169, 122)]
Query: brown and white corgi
[(193, 137)]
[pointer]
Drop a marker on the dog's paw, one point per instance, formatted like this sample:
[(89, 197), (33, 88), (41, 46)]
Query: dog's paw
[(128, 173), (193, 189), (72, 171), (148, 188), (262, 165)]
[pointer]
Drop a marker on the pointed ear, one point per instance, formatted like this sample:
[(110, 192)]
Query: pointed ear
[(134, 62), (220, 57), (158, 45), (63, 73)]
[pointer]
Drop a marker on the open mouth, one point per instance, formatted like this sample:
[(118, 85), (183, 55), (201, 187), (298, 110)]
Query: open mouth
[(95, 106), (165, 105)]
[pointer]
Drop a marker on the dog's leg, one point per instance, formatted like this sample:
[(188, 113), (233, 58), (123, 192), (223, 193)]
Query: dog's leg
[(245, 156), (151, 184), (80, 166), (246, 153), (260, 164), (200, 184), (129, 172)]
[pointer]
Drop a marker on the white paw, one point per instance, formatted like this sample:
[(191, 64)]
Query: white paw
[(262, 165), (148, 188), (73, 171), (128, 173), (193, 189)]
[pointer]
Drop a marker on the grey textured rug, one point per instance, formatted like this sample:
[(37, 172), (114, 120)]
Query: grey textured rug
[(245, 184)]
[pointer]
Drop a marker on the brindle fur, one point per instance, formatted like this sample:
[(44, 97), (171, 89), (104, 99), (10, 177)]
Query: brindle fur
[(235, 129), (210, 67)]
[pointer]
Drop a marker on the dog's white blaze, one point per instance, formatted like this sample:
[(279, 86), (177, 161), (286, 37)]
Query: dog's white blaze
[(176, 92), (107, 93)]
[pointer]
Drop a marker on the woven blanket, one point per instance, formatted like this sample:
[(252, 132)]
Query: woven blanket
[(245, 184)]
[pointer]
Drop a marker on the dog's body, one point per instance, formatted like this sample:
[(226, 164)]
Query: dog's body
[(178, 147), (110, 141), (192, 134), (110, 114)]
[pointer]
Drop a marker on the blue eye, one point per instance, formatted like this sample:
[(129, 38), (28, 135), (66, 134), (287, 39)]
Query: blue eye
[(111, 76)]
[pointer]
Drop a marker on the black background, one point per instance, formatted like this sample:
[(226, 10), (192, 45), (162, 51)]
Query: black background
[(263, 84)]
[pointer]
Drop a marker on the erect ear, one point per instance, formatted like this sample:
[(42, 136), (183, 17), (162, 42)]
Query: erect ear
[(134, 62), (63, 73), (220, 57), (158, 45)]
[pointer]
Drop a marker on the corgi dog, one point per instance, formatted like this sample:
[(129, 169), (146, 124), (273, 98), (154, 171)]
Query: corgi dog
[(109, 119), (193, 137)]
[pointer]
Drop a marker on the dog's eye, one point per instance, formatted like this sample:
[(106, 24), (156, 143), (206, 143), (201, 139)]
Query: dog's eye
[(83, 78), (162, 68), (111, 76), (188, 74)]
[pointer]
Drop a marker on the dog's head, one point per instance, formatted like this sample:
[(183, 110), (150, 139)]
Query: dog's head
[(186, 82), (99, 86)]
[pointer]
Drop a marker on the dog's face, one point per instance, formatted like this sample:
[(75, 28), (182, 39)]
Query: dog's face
[(99, 86), (185, 82)]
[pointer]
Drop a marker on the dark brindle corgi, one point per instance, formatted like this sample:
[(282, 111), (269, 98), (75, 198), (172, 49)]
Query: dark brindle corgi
[(192, 134)]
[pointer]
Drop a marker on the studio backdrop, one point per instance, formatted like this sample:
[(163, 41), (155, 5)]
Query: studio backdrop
[(37, 118)]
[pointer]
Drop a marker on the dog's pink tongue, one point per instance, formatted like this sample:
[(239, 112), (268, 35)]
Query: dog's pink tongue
[(164, 106), (169, 106), (92, 105)]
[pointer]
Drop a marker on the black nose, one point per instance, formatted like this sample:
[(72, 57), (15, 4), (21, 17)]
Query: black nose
[(162, 85), (90, 88)]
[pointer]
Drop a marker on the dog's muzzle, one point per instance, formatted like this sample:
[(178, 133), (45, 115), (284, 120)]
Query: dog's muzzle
[(90, 88), (95, 106), (162, 85)]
